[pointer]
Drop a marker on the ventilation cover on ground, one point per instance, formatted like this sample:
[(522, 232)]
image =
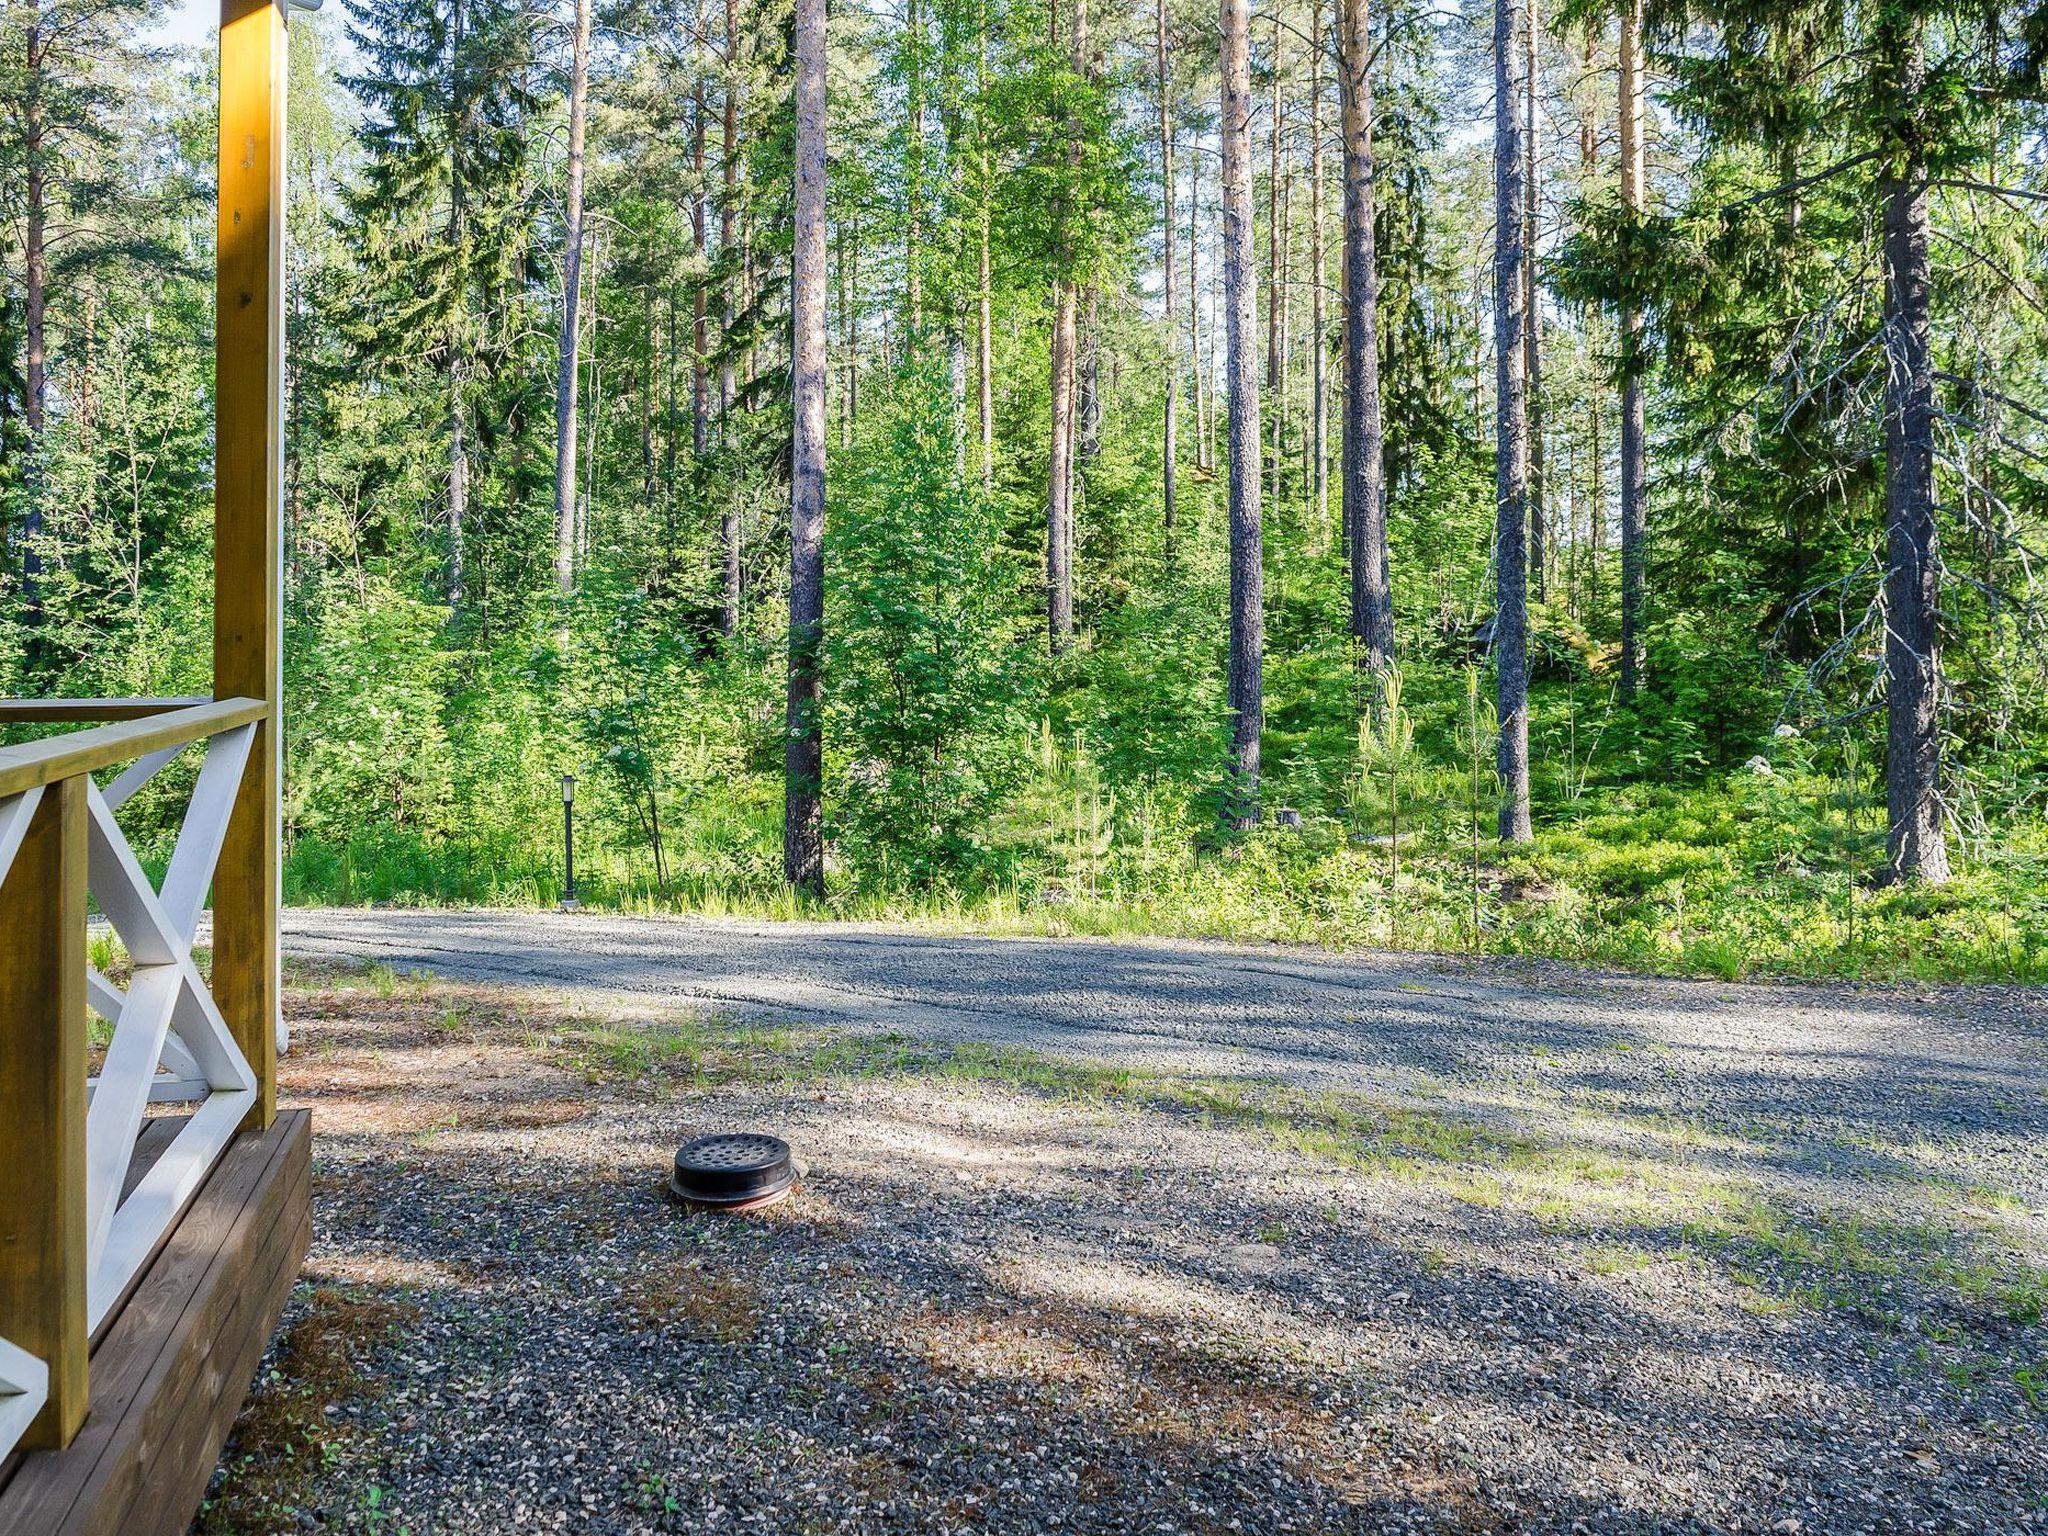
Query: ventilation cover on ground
[(733, 1171)]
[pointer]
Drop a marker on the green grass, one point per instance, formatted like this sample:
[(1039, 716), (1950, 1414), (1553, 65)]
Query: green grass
[(1751, 877)]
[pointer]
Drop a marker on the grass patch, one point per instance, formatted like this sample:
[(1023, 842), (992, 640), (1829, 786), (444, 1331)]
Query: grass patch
[(1738, 877), (692, 1055), (1628, 1207)]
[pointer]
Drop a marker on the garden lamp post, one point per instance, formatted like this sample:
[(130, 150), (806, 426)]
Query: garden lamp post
[(569, 901)]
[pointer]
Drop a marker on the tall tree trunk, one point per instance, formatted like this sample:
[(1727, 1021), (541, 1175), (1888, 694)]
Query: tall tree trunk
[(1210, 345), (1275, 390), (1364, 466), (984, 343), (803, 842), (729, 532), (1285, 292), (1088, 353), (35, 311), (1918, 842), (1245, 694), (458, 485), (1634, 449), (1059, 523), (1169, 427), (1088, 388), (1532, 331), (572, 311), (700, 330), (844, 281), (458, 338), (1059, 590), (913, 242), (668, 440), (1319, 381), (1196, 355), (852, 324), (1584, 580), (1511, 428)]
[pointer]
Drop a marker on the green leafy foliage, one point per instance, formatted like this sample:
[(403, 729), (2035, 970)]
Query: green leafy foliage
[(926, 683)]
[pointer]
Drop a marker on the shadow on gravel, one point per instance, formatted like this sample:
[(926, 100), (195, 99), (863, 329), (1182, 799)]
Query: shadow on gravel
[(1018, 1288)]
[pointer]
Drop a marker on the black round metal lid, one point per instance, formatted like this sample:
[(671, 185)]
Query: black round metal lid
[(732, 1168)]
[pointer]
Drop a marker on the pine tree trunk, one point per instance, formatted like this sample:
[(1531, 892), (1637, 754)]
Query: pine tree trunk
[(458, 339), (1210, 345), (1059, 591), (1364, 467), (1059, 522), (35, 312), (673, 352), (1275, 390), (913, 242), (984, 344), (1169, 422), (1532, 331), (1285, 292), (1088, 387), (1088, 354), (803, 846), (1634, 451), (700, 330), (728, 214), (1201, 361), (1511, 428), (1318, 261), (572, 311), (1918, 841), (852, 323), (843, 266), (458, 481), (1584, 578), (1245, 694)]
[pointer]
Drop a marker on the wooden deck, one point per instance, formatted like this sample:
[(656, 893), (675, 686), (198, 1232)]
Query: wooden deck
[(145, 1254), (173, 1363)]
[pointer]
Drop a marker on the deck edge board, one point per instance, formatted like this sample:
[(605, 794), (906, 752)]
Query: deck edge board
[(167, 1377)]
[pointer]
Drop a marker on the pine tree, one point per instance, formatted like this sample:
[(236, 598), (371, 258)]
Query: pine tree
[(803, 843), (441, 208), (1245, 685), (1511, 426)]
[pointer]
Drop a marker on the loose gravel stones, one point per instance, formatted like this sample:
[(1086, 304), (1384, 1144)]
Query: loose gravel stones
[(1503, 1289)]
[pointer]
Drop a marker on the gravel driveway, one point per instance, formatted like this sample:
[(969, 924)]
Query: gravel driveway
[(1950, 1080), (1154, 1237)]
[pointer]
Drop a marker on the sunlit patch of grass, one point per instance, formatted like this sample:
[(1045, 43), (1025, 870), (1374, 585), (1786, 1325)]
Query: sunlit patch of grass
[(1741, 877), (1613, 1258), (1872, 1264)]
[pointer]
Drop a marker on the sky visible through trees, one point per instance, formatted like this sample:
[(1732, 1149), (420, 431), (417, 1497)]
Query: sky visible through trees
[(1589, 469)]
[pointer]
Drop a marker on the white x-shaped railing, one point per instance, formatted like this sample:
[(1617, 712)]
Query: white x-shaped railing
[(169, 1042)]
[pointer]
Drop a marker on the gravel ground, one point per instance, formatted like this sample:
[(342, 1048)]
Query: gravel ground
[(1220, 1240)]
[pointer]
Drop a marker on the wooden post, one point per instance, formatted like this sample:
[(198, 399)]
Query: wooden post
[(42, 1106), (248, 497)]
